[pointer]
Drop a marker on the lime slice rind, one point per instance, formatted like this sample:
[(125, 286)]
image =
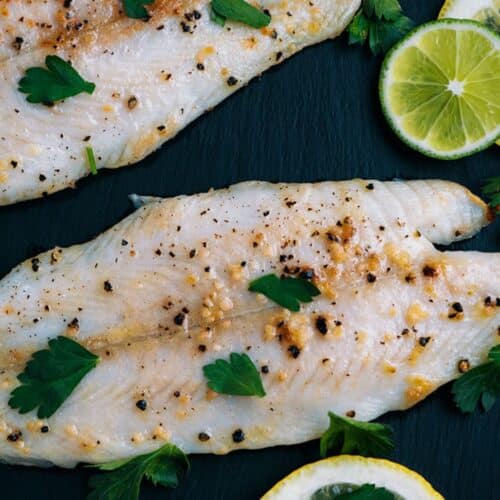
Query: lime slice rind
[(468, 140)]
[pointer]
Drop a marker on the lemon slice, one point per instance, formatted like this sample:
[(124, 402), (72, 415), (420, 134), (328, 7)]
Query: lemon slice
[(484, 11), (345, 473), (439, 88)]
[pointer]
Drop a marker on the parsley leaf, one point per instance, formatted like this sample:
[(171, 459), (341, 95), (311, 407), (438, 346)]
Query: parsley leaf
[(135, 8), (480, 383), (287, 292), (57, 82), (364, 492), (91, 160), (216, 18), (492, 190), (239, 377), (381, 23), (351, 437), (382, 9), (123, 481), (239, 10), (50, 377)]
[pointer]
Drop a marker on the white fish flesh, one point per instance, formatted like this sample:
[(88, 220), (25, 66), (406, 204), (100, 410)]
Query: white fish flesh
[(165, 292), (152, 79)]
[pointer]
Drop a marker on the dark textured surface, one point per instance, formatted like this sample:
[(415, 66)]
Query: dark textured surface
[(314, 117)]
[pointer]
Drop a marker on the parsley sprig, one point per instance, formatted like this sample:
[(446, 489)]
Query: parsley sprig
[(287, 292), (479, 384), (123, 479), (381, 23), (135, 8), (238, 377), (351, 437), (51, 376), (364, 492), (91, 160), (58, 81), (492, 191), (240, 11)]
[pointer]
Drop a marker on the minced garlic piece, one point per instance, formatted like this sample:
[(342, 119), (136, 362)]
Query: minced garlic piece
[(71, 430), (161, 433), (418, 388), (416, 313), (397, 256), (236, 272), (388, 368), (137, 438), (226, 304), (373, 262), (108, 108), (337, 252), (34, 425), (269, 332), (298, 330), (192, 279)]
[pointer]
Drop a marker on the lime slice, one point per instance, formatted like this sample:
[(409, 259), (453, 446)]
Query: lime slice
[(484, 11), (337, 475), (439, 88)]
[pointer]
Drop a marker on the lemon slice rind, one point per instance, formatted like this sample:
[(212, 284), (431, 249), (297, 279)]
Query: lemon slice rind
[(304, 482)]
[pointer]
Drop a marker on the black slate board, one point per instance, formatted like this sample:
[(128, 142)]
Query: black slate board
[(314, 117)]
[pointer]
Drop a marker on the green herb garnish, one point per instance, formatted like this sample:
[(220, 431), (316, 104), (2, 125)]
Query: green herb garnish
[(351, 437), (480, 383), (287, 292), (381, 22), (238, 10), (91, 160), (50, 376), (135, 8), (123, 479), (364, 492), (57, 82), (492, 191), (239, 377), (216, 18)]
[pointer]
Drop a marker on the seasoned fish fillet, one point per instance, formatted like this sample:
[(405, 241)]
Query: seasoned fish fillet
[(165, 292), (26, 25), (152, 79)]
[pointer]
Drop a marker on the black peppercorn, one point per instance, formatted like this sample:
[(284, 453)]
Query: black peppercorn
[(179, 319), (321, 325), (142, 404), (238, 436), (423, 341)]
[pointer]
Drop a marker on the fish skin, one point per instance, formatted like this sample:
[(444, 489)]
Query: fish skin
[(368, 364), (42, 149)]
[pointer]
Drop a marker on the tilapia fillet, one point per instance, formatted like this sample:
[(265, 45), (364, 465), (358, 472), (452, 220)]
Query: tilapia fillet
[(165, 292), (152, 78)]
